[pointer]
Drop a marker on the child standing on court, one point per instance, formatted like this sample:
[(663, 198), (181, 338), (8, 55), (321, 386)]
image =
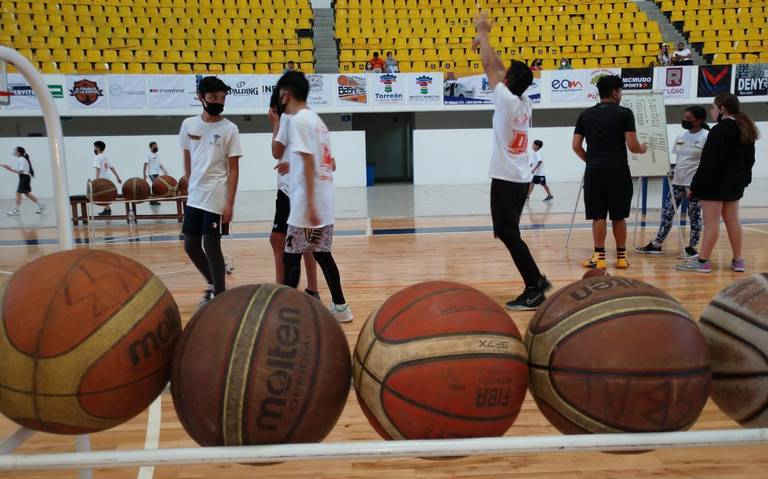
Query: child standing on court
[(538, 170), (103, 169), (23, 168), (152, 167), (212, 152)]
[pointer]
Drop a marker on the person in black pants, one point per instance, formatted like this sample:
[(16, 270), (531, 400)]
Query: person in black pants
[(724, 172)]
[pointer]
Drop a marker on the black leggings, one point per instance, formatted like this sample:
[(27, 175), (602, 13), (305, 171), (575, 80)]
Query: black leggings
[(292, 262), (205, 253)]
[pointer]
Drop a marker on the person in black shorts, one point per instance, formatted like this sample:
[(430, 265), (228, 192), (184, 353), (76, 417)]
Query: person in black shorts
[(609, 130), (538, 170), (23, 168)]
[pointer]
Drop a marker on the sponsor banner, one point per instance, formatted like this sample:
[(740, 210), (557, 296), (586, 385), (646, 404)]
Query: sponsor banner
[(388, 89), (593, 76), (470, 90), (169, 91), (86, 91), (320, 90), (534, 91), (127, 91), (567, 86), (675, 81), (245, 91), (425, 88), (752, 80), (22, 95), (351, 90), (714, 80), (637, 78), (268, 83)]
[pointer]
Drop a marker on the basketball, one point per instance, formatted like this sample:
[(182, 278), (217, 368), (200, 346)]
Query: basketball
[(617, 355), (86, 341), (595, 273), (102, 189), (183, 186), (135, 189), (164, 186), (440, 360), (735, 325), (261, 364)]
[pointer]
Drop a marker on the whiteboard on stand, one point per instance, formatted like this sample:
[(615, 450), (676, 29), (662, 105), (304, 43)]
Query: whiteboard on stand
[(651, 125)]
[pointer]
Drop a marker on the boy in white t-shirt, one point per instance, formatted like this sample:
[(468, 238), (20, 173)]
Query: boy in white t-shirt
[(152, 167), (510, 168), (313, 208), (212, 152), (538, 170), (103, 168)]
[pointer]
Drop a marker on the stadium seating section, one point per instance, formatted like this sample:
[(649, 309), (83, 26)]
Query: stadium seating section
[(727, 31), (427, 35), (159, 36)]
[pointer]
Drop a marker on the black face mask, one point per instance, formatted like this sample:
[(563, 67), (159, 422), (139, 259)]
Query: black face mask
[(687, 125), (154, 150), (95, 152), (213, 109)]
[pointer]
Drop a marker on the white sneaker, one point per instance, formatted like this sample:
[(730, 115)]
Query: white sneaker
[(41, 209), (342, 313), (13, 212)]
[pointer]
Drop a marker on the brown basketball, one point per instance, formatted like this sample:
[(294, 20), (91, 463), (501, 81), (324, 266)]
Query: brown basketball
[(261, 364), (595, 273), (135, 189), (164, 186), (102, 190), (440, 360), (183, 186), (616, 354), (735, 325), (86, 341)]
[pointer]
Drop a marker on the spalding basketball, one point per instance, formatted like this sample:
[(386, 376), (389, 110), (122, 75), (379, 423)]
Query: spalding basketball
[(135, 189), (86, 341), (616, 355), (261, 364), (102, 190), (595, 273), (440, 360), (735, 325), (164, 186), (183, 186)]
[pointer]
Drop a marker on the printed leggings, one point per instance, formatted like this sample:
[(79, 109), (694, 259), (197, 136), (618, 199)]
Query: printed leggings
[(668, 213)]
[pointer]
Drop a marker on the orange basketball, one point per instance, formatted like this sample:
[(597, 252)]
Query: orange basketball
[(595, 273), (440, 360), (164, 186), (102, 190), (135, 189), (86, 341)]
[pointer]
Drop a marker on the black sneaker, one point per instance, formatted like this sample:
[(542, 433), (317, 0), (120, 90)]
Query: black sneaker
[(543, 284), (689, 253), (207, 296), (549, 198), (106, 212), (314, 294), (528, 301), (650, 248), (154, 203)]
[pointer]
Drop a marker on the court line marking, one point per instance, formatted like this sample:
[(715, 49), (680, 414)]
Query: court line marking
[(754, 229), (153, 435)]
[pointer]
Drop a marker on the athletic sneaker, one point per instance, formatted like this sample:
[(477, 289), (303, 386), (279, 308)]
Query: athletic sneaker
[(543, 284), (207, 296), (314, 294), (342, 312), (154, 203), (531, 299), (13, 212), (688, 253), (41, 209), (106, 212), (549, 198), (650, 248), (738, 266), (622, 263), (695, 266), (595, 262)]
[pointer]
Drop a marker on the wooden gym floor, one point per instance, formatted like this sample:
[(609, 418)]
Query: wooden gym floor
[(397, 254)]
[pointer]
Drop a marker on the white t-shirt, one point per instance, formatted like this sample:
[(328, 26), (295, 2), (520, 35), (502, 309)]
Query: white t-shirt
[(509, 161), (282, 138), (153, 164), (101, 162), (210, 145), (688, 147), (536, 159), (22, 166), (308, 134), (682, 53)]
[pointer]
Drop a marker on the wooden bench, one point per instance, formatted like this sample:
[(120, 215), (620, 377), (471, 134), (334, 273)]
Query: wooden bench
[(82, 214)]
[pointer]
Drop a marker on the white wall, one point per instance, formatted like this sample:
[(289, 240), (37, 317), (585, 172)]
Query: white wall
[(461, 156), (128, 153)]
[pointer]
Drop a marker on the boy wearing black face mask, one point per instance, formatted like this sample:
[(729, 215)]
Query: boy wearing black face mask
[(211, 145), (152, 167)]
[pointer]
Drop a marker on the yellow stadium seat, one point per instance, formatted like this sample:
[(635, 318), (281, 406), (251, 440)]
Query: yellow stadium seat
[(183, 68), (261, 68), (246, 68), (168, 68), (135, 68)]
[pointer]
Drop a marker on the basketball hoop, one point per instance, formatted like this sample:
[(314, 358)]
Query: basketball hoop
[(5, 94)]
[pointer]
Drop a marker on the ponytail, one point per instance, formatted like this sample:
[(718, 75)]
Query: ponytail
[(31, 170), (748, 131)]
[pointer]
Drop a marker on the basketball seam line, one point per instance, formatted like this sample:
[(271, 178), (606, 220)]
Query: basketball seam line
[(416, 300), (747, 317), (706, 322), (449, 335), (635, 374)]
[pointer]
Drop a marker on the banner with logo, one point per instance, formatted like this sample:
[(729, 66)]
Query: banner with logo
[(388, 89), (752, 80), (714, 80), (245, 91), (127, 91), (470, 90), (593, 76), (86, 91), (268, 83), (23, 97), (534, 91), (637, 79), (425, 88), (320, 90), (675, 81), (169, 91), (567, 86), (351, 90)]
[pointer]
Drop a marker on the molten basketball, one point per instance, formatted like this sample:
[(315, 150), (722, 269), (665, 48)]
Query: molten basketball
[(102, 189), (164, 186), (595, 273), (261, 364), (135, 189), (735, 325), (617, 355), (440, 360), (183, 186), (86, 341)]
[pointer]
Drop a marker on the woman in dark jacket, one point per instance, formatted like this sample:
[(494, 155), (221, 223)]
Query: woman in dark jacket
[(724, 172)]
